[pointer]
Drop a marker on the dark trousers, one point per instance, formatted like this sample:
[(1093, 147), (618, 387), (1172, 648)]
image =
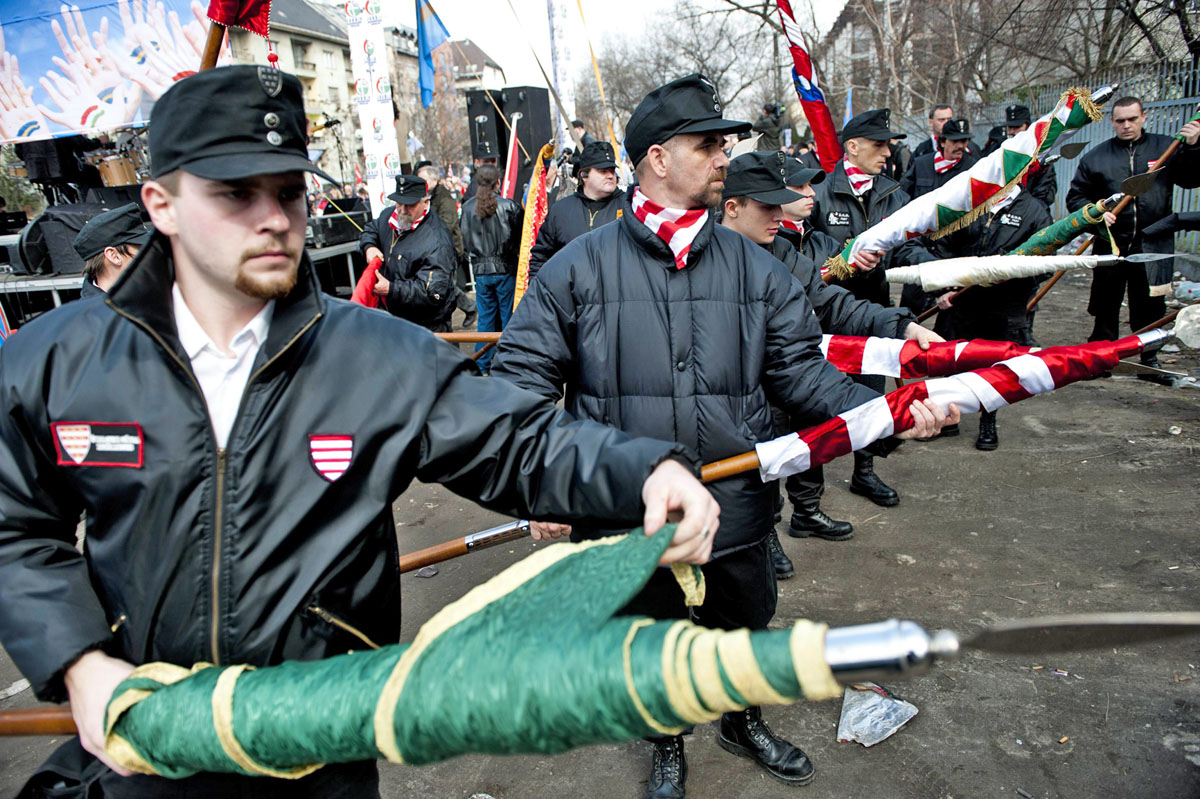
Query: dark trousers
[(1109, 285), (494, 299), (739, 591), (336, 781), (806, 488)]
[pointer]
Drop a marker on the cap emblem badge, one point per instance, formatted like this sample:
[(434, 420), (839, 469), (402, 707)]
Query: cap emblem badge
[(271, 80)]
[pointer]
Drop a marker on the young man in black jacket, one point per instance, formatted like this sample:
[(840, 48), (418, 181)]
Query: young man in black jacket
[(416, 280), (667, 324), (753, 204), (236, 441), (107, 243), (796, 228), (854, 197), (596, 202), (1102, 169)]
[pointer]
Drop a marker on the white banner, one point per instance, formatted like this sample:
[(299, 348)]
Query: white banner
[(373, 98)]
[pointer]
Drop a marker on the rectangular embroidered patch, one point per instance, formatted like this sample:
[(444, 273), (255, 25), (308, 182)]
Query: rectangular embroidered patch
[(837, 218), (98, 443)]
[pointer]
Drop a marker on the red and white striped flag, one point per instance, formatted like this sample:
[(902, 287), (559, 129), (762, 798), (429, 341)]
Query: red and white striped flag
[(988, 389), (893, 357)]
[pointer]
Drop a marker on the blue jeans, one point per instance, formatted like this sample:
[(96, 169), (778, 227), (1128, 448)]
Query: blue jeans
[(494, 301)]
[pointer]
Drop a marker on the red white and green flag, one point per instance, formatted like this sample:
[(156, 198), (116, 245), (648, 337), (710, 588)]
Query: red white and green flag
[(960, 201)]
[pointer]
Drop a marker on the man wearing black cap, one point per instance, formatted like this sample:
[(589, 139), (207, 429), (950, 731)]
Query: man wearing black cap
[(416, 280), (442, 203), (237, 439), (596, 202), (107, 243), (485, 153), (853, 198), (1041, 181), (753, 204), (668, 324), (796, 228)]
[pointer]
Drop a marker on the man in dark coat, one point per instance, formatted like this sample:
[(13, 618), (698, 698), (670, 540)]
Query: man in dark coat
[(938, 117), (770, 127), (796, 228), (596, 202), (1041, 180), (667, 323), (854, 197), (932, 171), (442, 203), (217, 349), (753, 205), (996, 313), (1102, 169), (107, 244), (416, 280), (485, 153)]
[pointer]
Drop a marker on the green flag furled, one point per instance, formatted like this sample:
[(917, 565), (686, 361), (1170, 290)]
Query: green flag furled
[(534, 660), (1047, 240)]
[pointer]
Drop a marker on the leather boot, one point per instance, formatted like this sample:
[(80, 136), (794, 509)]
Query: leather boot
[(779, 559), (865, 482), (988, 439), (816, 522), (1152, 360), (746, 734), (668, 771)]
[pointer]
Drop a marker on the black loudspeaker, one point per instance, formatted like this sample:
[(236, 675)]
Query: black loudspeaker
[(484, 124), (534, 128), (330, 229), (46, 245), (116, 196)]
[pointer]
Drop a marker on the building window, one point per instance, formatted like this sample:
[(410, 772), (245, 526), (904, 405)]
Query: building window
[(329, 62)]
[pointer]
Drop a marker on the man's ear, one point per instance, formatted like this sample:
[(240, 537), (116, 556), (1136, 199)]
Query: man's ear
[(160, 205), (658, 157), (731, 208)]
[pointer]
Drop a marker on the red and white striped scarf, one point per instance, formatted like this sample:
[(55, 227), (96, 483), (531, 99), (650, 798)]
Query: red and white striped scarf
[(860, 182), (394, 220), (943, 164), (676, 227), (795, 227)]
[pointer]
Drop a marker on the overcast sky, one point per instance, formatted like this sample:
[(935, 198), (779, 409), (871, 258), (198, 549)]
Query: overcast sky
[(492, 25)]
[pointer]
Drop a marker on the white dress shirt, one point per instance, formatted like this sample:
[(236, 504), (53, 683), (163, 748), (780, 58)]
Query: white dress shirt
[(222, 377)]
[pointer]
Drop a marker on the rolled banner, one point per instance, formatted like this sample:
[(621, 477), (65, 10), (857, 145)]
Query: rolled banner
[(963, 199), (535, 660), (989, 269), (537, 204), (1047, 240), (989, 389), (893, 357)]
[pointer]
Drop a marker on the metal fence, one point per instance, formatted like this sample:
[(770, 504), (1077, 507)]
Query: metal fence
[(1169, 92)]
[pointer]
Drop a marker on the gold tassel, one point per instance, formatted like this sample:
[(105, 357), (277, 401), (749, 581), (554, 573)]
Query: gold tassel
[(1084, 98)]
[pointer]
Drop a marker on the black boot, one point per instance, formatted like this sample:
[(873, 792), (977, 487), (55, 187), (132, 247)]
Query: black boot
[(746, 734), (865, 482), (668, 772), (988, 439), (779, 559), (1152, 361), (816, 522)]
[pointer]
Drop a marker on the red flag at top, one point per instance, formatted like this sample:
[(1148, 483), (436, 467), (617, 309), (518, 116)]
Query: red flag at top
[(250, 15)]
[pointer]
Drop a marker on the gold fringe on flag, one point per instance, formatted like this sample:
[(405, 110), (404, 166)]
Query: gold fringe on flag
[(536, 205)]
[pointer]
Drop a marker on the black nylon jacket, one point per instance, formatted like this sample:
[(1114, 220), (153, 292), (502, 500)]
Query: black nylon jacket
[(442, 203), (567, 220), (843, 216), (493, 244), (814, 245), (838, 311), (420, 266), (985, 311), (248, 554), (1100, 173), (89, 289), (692, 355)]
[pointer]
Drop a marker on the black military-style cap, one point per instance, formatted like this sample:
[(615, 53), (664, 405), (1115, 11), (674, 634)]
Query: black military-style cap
[(798, 174), (956, 130), (421, 165), (485, 150), (231, 122), (119, 226), (874, 125), (598, 155), (687, 105), (1016, 115), (410, 190), (760, 176)]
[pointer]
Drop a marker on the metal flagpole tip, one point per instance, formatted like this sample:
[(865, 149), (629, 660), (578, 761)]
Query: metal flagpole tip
[(944, 644)]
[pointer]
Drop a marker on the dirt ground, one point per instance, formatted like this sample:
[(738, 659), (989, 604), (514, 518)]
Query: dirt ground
[(1089, 504)]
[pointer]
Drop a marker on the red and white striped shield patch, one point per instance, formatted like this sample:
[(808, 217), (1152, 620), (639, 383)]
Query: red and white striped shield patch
[(76, 440), (331, 455)]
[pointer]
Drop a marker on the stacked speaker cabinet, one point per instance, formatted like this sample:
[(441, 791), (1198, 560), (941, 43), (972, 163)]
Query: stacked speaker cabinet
[(533, 127)]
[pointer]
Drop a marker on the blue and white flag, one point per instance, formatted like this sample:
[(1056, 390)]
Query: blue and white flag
[(431, 33)]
